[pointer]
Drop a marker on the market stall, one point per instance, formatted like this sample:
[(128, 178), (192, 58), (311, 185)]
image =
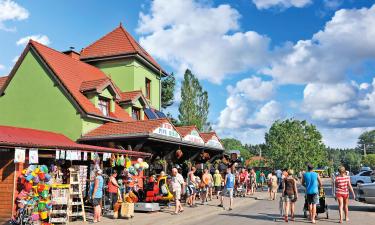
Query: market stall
[(49, 174)]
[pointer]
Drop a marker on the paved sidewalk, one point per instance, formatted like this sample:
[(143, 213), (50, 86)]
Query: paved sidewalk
[(189, 216)]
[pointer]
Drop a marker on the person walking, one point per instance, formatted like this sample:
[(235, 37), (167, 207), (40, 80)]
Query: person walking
[(342, 187), (217, 182), (312, 182), (192, 191), (113, 188), (97, 195), (290, 195), (253, 181), (229, 182), (178, 185), (209, 181), (274, 186), (262, 179)]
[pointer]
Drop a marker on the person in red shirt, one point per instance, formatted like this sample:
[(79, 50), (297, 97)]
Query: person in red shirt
[(113, 188), (342, 186)]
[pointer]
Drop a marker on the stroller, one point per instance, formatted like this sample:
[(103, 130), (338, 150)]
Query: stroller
[(240, 190), (322, 207)]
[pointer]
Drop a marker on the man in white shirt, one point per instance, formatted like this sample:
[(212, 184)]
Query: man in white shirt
[(177, 187)]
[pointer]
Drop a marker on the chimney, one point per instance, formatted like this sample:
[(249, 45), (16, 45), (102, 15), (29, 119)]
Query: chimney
[(72, 53)]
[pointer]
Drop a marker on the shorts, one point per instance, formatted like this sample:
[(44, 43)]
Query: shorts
[(191, 190), (96, 201), (312, 199), (290, 198), (177, 194), (228, 192), (344, 196), (218, 188)]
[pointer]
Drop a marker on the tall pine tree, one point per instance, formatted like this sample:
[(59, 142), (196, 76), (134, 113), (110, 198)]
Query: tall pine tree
[(167, 90), (194, 106)]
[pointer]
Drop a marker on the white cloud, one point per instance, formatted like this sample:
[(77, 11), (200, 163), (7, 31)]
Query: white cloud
[(341, 104), (266, 4), (253, 88), (235, 113), (2, 67), (266, 115), (332, 4), (206, 39), (342, 137), (345, 43), (43, 39), (10, 10)]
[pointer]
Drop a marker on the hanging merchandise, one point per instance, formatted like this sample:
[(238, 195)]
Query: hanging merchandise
[(122, 160), (85, 156), (118, 160), (19, 155), (128, 162), (62, 154), (68, 155), (57, 156), (113, 160), (33, 156), (35, 192)]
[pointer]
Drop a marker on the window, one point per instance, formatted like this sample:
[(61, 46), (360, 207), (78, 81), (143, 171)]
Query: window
[(104, 106), (148, 88), (136, 113)]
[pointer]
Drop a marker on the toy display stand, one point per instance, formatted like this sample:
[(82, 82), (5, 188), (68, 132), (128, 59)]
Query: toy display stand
[(59, 198), (76, 207)]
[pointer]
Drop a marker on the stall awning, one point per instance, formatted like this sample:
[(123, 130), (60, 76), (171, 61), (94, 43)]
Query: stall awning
[(30, 138)]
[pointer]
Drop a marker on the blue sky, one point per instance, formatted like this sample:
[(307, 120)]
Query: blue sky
[(260, 60)]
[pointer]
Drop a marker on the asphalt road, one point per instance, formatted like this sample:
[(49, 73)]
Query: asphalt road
[(264, 211)]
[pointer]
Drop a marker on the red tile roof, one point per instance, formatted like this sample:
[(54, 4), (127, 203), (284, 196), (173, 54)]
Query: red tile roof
[(93, 84), (130, 96), (30, 138), (2, 81), (185, 130), (115, 43), (208, 135), (73, 74), (123, 128)]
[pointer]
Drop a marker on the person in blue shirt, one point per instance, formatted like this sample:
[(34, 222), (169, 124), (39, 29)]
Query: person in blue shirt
[(229, 183), (97, 195), (312, 182)]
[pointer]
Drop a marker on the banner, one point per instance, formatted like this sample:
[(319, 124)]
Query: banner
[(19, 155), (33, 156), (57, 154)]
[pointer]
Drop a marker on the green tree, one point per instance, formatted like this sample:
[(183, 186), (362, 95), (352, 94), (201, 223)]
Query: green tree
[(234, 144), (167, 90), (293, 143), (194, 106), (369, 160), (366, 142), (351, 159)]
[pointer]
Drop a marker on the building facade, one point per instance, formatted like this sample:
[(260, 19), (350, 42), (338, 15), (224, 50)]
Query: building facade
[(96, 96)]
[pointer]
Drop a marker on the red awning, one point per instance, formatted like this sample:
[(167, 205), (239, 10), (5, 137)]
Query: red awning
[(11, 137)]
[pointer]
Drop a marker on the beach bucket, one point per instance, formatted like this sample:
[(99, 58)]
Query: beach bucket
[(44, 215)]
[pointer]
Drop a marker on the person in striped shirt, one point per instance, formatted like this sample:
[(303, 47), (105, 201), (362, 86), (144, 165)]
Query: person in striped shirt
[(342, 186)]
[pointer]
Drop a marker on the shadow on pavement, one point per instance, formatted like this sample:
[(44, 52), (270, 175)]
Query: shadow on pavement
[(362, 208)]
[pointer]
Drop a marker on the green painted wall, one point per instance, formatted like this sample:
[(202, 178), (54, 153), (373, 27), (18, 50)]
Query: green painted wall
[(130, 75), (32, 100), (89, 125)]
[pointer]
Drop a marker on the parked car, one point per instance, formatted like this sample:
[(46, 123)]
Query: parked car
[(366, 193), (363, 177)]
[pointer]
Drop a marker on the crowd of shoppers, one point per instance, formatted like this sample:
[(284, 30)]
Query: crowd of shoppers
[(225, 185)]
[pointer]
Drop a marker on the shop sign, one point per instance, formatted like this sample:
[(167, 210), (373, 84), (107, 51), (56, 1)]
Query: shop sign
[(166, 129), (214, 142), (194, 137), (19, 155)]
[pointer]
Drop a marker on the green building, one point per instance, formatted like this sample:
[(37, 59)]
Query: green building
[(108, 94)]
